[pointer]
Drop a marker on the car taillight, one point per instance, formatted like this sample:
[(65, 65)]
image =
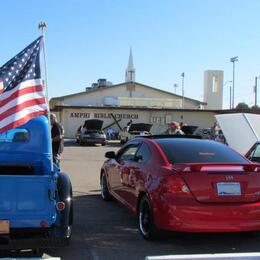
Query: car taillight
[(176, 185), (60, 206)]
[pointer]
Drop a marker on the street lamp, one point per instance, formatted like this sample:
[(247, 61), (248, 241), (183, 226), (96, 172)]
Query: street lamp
[(234, 59), (230, 92)]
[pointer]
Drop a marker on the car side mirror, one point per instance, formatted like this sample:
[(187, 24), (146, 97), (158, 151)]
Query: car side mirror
[(110, 155)]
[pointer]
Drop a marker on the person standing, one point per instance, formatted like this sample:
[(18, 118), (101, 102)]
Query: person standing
[(57, 134), (174, 129), (213, 131)]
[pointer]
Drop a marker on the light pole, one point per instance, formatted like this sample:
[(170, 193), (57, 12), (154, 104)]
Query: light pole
[(230, 92), (234, 59), (182, 85)]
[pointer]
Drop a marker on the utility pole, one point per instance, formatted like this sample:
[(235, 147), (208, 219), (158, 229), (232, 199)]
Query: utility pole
[(182, 85), (255, 91)]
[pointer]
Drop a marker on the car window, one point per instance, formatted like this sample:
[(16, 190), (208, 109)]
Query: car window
[(17, 135), (144, 152), (198, 151), (255, 154), (128, 153)]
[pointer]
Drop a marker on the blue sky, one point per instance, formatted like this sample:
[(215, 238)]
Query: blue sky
[(90, 39)]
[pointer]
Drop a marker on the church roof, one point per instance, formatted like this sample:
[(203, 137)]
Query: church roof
[(91, 90)]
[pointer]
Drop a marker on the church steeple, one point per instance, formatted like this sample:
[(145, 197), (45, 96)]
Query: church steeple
[(130, 71)]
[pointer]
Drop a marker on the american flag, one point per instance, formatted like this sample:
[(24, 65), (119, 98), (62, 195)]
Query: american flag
[(22, 94)]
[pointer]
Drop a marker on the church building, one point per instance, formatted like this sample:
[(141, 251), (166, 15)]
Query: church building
[(117, 104)]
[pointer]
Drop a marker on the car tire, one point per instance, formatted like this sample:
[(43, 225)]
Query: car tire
[(145, 220), (67, 215), (66, 241), (105, 194), (69, 228)]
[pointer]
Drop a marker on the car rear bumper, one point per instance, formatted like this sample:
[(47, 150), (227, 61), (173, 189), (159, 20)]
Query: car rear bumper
[(28, 238), (93, 140), (208, 218)]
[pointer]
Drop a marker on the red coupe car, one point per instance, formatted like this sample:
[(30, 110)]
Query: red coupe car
[(183, 184)]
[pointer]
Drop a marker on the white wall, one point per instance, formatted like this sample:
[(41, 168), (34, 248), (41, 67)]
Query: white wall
[(71, 119), (213, 89)]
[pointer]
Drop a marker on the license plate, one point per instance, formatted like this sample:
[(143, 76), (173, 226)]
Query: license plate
[(4, 227), (228, 189)]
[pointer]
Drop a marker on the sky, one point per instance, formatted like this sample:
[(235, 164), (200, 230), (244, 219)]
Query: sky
[(90, 39)]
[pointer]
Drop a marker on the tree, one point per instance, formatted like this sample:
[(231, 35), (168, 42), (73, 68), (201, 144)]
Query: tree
[(242, 105), (255, 107)]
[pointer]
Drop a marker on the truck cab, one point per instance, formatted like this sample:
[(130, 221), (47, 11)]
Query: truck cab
[(36, 203)]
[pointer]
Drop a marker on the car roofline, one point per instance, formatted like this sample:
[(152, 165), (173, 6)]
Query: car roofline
[(171, 136)]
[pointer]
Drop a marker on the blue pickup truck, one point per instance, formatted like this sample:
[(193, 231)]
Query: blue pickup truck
[(36, 203)]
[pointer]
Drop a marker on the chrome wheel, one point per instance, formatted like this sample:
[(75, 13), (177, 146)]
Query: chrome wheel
[(104, 189), (145, 219)]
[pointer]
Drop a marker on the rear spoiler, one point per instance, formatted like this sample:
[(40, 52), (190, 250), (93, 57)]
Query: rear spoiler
[(197, 167), (163, 136)]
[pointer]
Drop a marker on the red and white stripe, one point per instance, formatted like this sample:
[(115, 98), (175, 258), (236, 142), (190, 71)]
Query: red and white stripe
[(1, 85), (20, 104)]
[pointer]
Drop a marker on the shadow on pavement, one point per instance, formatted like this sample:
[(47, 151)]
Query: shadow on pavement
[(106, 230)]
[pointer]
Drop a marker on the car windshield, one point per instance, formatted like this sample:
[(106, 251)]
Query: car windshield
[(198, 151), (15, 135)]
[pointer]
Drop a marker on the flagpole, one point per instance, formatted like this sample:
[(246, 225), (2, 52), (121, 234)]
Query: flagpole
[(42, 26)]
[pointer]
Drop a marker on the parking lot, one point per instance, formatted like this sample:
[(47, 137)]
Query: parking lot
[(106, 230)]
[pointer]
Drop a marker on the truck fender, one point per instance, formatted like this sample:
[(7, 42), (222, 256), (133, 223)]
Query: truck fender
[(65, 194)]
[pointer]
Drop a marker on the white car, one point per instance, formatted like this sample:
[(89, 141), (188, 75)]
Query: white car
[(137, 129), (91, 133)]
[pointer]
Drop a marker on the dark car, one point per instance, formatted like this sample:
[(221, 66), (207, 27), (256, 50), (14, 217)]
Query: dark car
[(189, 129), (91, 133), (254, 153), (36, 203), (183, 184)]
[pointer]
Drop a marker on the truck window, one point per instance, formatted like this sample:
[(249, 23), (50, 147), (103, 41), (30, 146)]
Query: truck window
[(19, 135)]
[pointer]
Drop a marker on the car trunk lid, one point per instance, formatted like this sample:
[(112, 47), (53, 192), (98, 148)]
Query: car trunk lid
[(93, 124), (222, 183)]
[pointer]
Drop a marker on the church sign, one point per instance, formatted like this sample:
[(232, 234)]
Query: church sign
[(103, 115)]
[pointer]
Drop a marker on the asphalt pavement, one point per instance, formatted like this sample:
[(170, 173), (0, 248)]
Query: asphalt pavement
[(106, 230)]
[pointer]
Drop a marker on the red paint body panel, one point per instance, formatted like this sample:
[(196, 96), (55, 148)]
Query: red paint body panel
[(197, 217), (188, 200)]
